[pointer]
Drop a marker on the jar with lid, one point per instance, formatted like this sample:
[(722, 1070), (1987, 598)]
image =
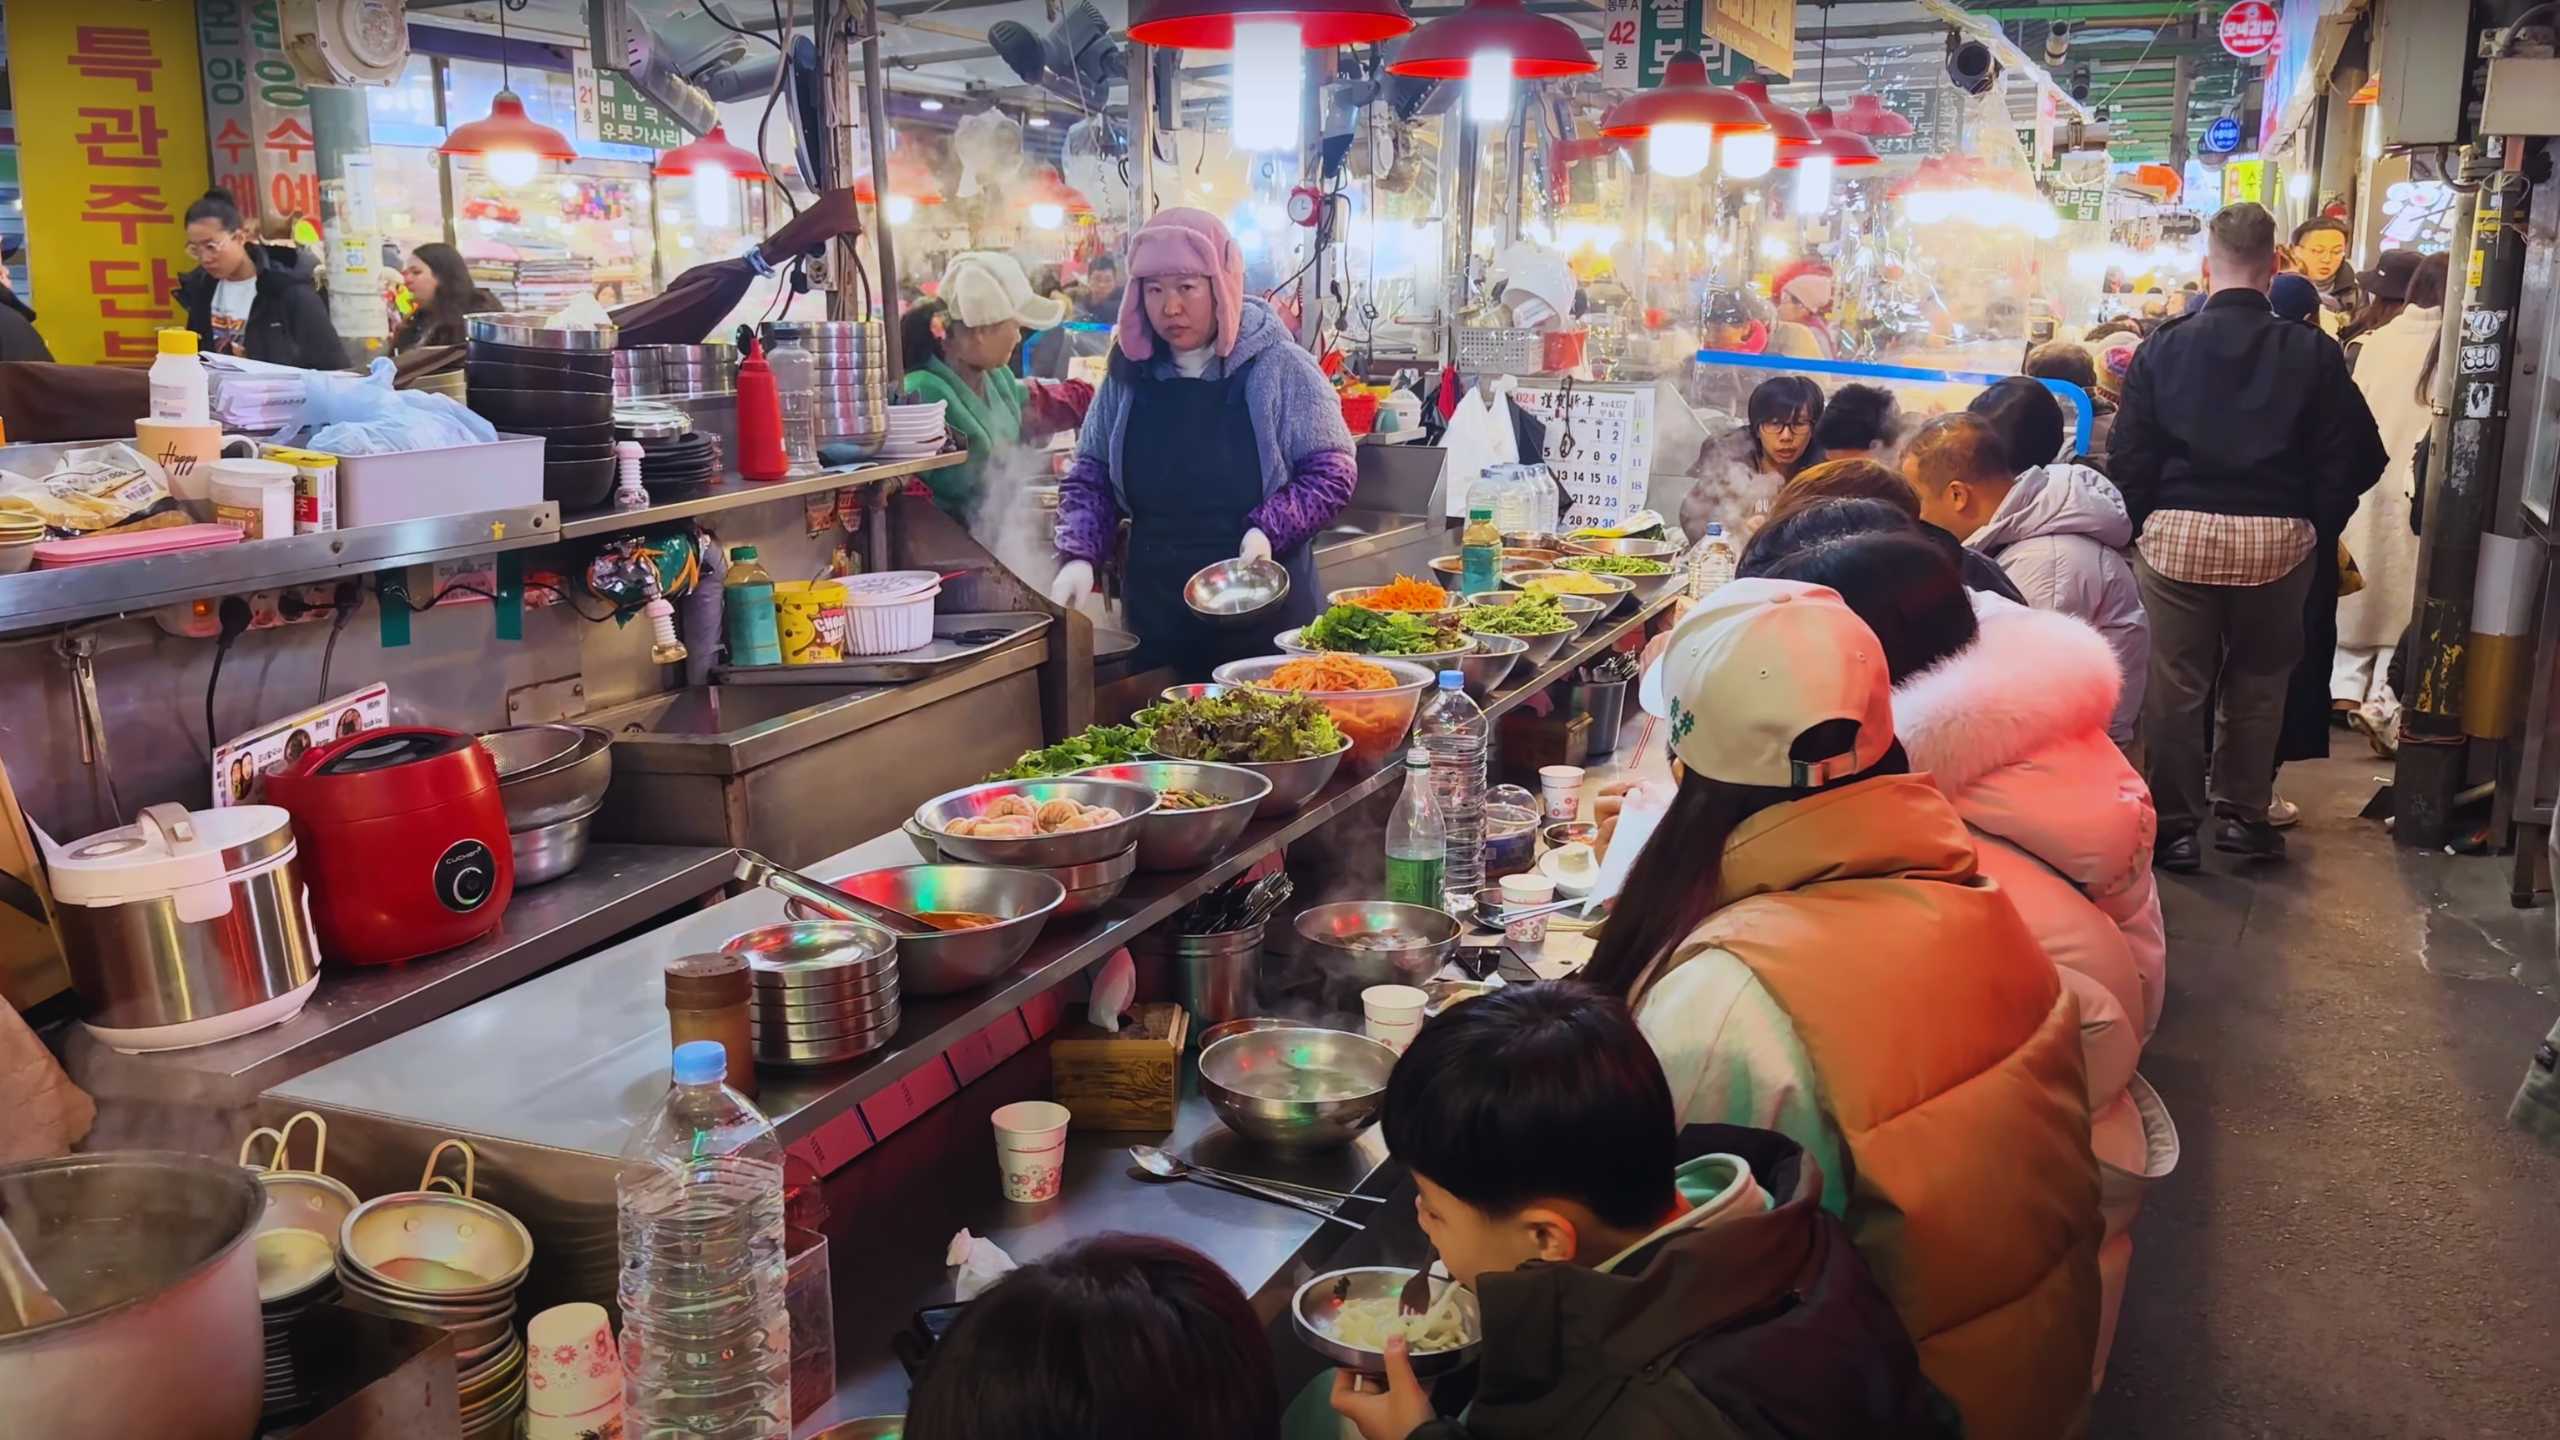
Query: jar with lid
[(707, 1000)]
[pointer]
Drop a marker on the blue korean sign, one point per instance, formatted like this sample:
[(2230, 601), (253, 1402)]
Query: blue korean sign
[(2223, 135)]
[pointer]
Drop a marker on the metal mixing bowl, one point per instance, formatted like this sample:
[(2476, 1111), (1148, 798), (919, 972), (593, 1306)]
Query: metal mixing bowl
[(1293, 782), (950, 961), (1451, 570), (549, 773), (1245, 1025), (1539, 648), (1377, 721), (1354, 594), (1620, 587), (1255, 1080), (1329, 933), (1202, 691), (1232, 594), (544, 853), (1039, 852), (1097, 883), (1647, 586), (1313, 1307), (1490, 663), (1173, 839), (1662, 550)]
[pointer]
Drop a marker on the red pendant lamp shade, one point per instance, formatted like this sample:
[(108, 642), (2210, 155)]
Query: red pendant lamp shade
[(1685, 98), (1844, 150), (1793, 130), (1541, 47), (1211, 24), (1868, 116), (713, 151), (508, 128)]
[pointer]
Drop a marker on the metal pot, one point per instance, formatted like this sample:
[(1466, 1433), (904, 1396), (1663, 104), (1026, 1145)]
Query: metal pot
[(150, 1253), (186, 927)]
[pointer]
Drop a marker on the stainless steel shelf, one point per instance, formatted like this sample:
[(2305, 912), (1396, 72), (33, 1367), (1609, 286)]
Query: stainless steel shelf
[(43, 599), (733, 492)]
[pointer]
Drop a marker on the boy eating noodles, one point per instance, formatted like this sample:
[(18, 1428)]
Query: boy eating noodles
[(1634, 1283)]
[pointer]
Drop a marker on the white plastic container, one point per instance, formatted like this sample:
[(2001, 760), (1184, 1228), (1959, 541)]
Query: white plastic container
[(181, 393), (417, 484), (254, 495), (889, 612)]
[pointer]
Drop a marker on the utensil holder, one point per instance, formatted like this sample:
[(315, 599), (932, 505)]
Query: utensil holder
[(1605, 701), (1216, 977)]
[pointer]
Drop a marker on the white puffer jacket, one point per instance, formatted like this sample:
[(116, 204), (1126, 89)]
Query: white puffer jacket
[(2014, 731)]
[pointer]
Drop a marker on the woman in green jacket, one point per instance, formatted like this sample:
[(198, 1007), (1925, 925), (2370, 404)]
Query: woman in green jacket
[(957, 347)]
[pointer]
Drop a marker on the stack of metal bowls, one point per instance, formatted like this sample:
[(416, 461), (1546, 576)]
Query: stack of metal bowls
[(852, 360), (297, 1259), (648, 371), (826, 991), (552, 779), (453, 1262), (530, 379), (636, 373)]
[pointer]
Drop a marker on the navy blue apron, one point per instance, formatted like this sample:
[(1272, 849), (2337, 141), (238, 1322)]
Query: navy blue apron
[(1191, 473)]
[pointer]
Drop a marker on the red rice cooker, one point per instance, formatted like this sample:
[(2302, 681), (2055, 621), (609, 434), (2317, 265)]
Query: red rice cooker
[(403, 840)]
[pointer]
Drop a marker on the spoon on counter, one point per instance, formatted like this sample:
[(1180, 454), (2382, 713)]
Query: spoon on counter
[(1166, 1164), (1165, 1169)]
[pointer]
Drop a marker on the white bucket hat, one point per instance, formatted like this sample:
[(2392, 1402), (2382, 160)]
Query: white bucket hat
[(983, 287), (1754, 666)]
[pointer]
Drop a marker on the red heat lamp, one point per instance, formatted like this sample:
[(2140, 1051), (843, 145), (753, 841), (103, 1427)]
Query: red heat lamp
[(1679, 122), (1540, 47), (1794, 132), (713, 152), (1845, 151), (1211, 24), (506, 134), (1868, 116)]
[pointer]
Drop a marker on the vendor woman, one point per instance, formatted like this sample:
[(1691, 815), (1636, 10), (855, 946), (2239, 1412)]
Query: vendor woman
[(1214, 434), (957, 347)]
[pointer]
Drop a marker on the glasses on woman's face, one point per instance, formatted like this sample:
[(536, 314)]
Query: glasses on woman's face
[(1797, 426), (207, 249)]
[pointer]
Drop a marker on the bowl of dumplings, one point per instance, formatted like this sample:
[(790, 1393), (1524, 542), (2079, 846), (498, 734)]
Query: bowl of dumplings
[(1037, 824)]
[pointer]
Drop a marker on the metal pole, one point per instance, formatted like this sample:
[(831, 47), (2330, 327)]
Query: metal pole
[(2475, 361), (1640, 201), (1316, 284), (2181, 85), (1515, 151), (842, 136), (1458, 211), (342, 151), (875, 116), (1143, 61)]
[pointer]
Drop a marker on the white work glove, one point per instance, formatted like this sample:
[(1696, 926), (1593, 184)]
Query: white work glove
[(1257, 546), (1074, 584)]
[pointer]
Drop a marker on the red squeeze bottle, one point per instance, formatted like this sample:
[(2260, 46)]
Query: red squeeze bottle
[(760, 453)]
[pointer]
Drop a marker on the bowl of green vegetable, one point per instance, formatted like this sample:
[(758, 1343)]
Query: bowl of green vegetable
[(1534, 617), (1098, 745), (1490, 663), (1605, 591), (1201, 808), (1650, 576), (1620, 545), (1286, 738), (1425, 639)]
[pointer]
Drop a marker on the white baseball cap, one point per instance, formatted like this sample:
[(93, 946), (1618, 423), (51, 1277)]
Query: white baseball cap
[(983, 287), (1754, 666)]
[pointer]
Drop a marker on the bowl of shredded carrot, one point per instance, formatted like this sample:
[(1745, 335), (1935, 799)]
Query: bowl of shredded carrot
[(1402, 593), (1372, 699)]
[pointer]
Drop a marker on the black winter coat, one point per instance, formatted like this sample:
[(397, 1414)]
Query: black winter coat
[(288, 321)]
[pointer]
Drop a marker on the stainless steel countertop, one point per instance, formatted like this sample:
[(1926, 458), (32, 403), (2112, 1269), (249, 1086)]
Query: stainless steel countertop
[(574, 1059), (733, 492), (1359, 533), (620, 887), (893, 1216)]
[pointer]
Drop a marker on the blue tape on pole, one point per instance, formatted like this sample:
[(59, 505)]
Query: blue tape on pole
[(2085, 413)]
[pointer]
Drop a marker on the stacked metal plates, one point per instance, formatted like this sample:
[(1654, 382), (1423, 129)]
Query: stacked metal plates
[(852, 363), (447, 1260), (530, 379), (826, 991), (297, 1243)]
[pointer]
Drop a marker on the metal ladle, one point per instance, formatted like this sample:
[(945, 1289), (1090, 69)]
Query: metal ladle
[(34, 1304), (754, 869)]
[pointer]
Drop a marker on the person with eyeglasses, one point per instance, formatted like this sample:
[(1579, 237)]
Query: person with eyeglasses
[(252, 299), (1740, 473), (2320, 250)]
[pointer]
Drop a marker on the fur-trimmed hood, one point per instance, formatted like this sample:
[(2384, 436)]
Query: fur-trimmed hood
[(2035, 677)]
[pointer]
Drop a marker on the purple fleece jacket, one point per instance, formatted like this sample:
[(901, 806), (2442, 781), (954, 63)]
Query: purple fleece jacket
[(1308, 464)]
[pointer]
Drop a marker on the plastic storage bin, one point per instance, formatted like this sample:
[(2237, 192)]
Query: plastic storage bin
[(890, 612), (416, 484)]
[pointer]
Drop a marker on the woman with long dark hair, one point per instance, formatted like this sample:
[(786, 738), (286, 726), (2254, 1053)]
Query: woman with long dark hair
[(441, 285), (1810, 948), (1125, 1337), (1740, 473)]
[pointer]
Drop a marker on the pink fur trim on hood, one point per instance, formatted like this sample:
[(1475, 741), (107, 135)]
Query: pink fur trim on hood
[(1181, 241), (2034, 677)]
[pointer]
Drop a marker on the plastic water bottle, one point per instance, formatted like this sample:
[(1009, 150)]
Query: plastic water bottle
[(1417, 846), (706, 1340), (754, 625), (795, 381), (1480, 553), (1711, 560), (1452, 729)]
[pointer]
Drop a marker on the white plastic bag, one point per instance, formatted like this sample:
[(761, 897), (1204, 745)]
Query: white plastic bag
[(363, 415)]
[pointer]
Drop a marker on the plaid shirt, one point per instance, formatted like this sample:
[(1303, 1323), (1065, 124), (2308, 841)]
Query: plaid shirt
[(2197, 548)]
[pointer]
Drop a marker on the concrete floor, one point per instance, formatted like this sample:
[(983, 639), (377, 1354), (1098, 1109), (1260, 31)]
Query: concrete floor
[(2355, 1243)]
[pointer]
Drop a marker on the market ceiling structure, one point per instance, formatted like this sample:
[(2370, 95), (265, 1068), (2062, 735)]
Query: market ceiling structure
[(2134, 49)]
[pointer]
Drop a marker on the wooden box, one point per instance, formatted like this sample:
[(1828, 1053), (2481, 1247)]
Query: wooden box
[(1128, 1081), (1524, 743)]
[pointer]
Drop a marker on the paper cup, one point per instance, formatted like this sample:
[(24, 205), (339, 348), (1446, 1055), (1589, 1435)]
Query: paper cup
[(1394, 1037), (570, 1365), (1393, 1004), (1520, 892), (1560, 788), (1031, 1149), (602, 1423)]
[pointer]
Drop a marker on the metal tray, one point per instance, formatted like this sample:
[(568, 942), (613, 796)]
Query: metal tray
[(957, 639)]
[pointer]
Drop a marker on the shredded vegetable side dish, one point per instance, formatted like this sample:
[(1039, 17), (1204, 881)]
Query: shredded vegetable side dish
[(1367, 1324), (1406, 593), (1328, 674)]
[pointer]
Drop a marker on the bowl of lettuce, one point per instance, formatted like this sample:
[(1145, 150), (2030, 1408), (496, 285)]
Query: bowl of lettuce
[(1285, 737), (1403, 634)]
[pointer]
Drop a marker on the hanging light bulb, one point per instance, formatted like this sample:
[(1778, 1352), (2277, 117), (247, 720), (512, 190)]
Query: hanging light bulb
[(511, 143), (512, 167), (1813, 184), (1270, 69), (1680, 150), (1048, 214), (1489, 88), (711, 195), (2297, 186), (901, 209), (1748, 154)]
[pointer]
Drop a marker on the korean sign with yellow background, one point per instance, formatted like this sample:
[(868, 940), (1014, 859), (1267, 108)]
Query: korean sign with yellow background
[(111, 151)]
